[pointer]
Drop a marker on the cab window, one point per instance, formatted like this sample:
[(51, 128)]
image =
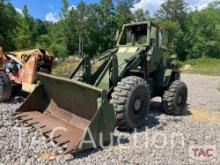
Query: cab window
[(164, 39), (134, 34)]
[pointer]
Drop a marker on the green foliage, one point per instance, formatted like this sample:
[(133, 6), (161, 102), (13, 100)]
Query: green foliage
[(140, 15), (24, 32), (193, 34), (57, 42), (90, 28), (202, 36), (57, 49), (8, 23), (173, 10)]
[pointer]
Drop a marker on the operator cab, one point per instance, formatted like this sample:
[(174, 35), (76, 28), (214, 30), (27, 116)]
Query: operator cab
[(144, 34), (134, 34)]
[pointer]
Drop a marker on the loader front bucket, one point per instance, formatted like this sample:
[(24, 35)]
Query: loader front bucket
[(69, 112)]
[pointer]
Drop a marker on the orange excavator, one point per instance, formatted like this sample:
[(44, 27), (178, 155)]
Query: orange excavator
[(19, 68)]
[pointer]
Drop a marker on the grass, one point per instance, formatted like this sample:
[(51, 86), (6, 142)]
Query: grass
[(63, 69), (204, 66)]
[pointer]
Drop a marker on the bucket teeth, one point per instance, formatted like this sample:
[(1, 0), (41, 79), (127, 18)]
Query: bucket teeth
[(26, 120), (61, 132), (33, 124), (32, 130), (41, 127), (16, 113), (47, 132), (69, 149), (61, 141), (53, 138), (19, 117)]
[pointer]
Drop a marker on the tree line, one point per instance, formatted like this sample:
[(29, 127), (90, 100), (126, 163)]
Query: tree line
[(91, 28)]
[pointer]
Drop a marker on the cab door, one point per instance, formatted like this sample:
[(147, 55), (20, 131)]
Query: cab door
[(153, 54)]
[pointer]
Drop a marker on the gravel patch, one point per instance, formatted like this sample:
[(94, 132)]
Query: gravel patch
[(163, 140), (19, 144), (203, 91)]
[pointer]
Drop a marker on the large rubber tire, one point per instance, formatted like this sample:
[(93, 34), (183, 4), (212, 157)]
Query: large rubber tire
[(174, 100), (78, 76), (131, 101), (5, 87)]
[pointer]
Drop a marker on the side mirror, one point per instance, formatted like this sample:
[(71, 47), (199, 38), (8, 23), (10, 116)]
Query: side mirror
[(117, 35)]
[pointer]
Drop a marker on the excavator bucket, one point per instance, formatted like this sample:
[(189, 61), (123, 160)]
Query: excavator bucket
[(75, 115)]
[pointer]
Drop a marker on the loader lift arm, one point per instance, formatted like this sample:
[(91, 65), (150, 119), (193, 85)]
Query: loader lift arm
[(95, 78)]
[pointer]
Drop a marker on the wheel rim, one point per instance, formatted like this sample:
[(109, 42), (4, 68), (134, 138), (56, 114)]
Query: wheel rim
[(181, 100), (137, 105)]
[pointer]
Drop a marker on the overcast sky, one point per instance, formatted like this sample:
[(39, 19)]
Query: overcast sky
[(50, 9)]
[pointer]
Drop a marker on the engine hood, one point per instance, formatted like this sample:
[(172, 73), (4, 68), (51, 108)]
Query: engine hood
[(127, 51)]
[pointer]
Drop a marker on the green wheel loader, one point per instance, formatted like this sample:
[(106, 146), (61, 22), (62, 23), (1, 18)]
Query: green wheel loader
[(93, 102)]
